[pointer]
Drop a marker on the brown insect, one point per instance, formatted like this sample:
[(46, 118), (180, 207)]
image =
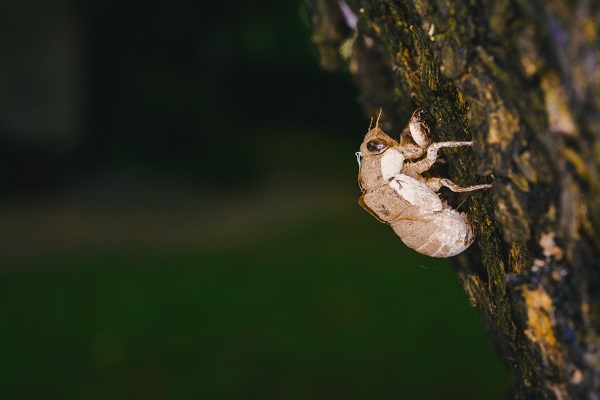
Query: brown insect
[(394, 191)]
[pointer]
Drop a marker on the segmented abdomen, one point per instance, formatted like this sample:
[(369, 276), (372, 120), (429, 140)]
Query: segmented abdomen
[(435, 234)]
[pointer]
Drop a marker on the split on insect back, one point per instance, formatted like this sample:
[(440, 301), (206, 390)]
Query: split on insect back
[(395, 192)]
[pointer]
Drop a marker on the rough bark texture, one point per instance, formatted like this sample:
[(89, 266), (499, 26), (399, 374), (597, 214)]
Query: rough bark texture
[(521, 78)]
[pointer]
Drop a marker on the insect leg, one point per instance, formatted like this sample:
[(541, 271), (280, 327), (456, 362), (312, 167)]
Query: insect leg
[(419, 129), (436, 183), (432, 155)]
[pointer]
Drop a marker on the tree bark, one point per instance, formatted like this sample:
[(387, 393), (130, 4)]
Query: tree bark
[(520, 77)]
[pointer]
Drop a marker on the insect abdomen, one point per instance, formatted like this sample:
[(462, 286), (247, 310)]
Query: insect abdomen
[(435, 234)]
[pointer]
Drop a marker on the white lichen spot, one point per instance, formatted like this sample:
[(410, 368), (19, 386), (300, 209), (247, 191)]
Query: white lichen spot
[(431, 32), (549, 246), (538, 263)]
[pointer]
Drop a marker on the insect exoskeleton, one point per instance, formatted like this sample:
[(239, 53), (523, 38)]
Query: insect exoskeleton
[(395, 192), (445, 234)]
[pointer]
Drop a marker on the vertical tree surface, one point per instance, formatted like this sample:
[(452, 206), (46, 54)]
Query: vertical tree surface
[(519, 77)]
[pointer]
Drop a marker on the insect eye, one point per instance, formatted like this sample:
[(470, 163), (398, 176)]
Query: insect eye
[(376, 146)]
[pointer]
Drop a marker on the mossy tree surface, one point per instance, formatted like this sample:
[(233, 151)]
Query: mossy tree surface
[(520, 77)]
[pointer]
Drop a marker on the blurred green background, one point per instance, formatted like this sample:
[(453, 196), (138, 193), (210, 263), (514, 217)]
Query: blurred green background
[(180, 221)]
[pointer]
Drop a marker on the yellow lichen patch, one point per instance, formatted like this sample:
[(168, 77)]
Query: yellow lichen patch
[(589, 29), (376, 28), (557, 107), (502, 124), (577, 161), (539, 322), (519, 256), (519, 180)]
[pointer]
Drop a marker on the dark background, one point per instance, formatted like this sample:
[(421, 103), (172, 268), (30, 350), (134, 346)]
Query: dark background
[(179, 220)]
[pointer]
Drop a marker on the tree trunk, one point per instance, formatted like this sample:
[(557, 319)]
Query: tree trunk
[(521, 78)]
